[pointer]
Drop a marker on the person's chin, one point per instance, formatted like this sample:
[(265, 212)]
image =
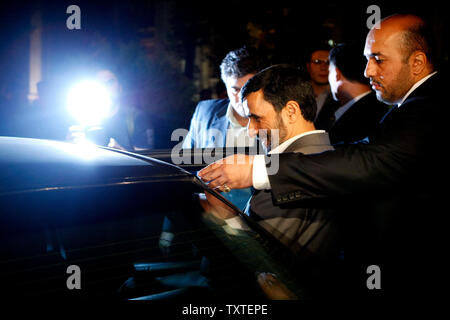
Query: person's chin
[(379, 96), (382, 98)]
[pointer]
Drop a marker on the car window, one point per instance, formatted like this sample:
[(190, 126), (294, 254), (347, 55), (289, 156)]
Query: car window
[(117, 233)]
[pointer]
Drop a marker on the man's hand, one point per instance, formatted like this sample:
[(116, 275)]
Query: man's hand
[(234, 171), (273, 288)]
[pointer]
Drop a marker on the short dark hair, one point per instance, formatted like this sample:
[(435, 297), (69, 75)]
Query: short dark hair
[(282, 83), (349, 59), (243, 61), (318, 46)]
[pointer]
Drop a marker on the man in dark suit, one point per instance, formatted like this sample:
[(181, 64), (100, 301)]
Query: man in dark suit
[(280, 103), (398, 172), (360, 112)]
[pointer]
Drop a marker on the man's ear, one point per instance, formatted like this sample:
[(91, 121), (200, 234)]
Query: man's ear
[(291, 111), (418, 61)]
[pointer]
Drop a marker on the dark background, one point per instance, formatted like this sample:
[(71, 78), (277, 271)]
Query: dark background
[(157, 47)]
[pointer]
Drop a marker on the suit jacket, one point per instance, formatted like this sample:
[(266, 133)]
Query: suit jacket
[(392, 190), (324, 117), (361, 120), (304, 229), (209, 125)]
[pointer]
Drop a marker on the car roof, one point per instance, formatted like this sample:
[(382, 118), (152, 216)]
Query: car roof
[(33, 164)]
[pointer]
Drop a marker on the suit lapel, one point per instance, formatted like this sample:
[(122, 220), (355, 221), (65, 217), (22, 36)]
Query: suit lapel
[(388, 113), (220, 122)]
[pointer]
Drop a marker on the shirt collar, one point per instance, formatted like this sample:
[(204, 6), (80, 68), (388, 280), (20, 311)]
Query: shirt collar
[(287, 143), (339, 112), (234, 123), (415, 86)]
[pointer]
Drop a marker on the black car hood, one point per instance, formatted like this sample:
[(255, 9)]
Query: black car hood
[(32, 165)]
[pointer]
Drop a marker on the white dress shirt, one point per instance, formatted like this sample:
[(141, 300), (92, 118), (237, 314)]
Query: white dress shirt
[(260, 179), (237, 135)]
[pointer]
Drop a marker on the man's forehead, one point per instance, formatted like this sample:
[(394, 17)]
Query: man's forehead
[(368, 48), (256, 104), (254, 97), (387, 37), (320, 54), (378, 43)]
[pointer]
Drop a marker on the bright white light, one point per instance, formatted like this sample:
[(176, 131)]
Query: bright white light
[(89, 102), (82, 148)]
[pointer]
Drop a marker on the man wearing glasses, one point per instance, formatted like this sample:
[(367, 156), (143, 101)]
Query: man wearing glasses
[(317, 67)]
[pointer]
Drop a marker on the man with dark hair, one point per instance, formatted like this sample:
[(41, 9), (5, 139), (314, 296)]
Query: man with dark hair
[(394, 181), (360, 111), (281, 109), (219, 123), (222, 122), (317, 67), (278, 98)]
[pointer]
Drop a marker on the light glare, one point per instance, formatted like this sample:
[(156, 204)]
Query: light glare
[(89, 102)]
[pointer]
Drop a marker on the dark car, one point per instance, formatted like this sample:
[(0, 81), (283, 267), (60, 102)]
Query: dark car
[(85, 221)]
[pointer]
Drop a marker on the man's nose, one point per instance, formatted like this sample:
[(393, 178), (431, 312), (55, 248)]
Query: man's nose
[(236, 98), (370, 70)]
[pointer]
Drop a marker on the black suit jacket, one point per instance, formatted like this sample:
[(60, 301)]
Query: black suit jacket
[(324, 117), (396, 155), (359, 121), (392, 191)]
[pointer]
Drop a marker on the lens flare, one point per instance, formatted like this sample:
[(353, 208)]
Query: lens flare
[(89, 102)]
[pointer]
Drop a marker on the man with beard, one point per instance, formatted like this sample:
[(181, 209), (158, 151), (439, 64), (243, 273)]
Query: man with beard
[(392, 183), (281, 108)]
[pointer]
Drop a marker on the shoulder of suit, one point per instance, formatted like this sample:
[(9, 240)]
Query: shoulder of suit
[(370, 101), (208, 109), (312, 143), (433, 88), (213, 105)]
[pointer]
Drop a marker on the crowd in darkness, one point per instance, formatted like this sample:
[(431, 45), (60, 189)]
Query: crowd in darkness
[(285, 31)]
